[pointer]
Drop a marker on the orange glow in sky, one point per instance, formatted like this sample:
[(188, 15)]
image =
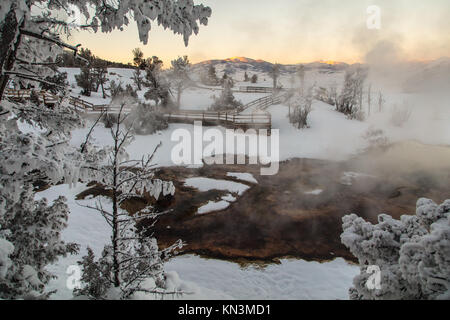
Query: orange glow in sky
[(292, 31)]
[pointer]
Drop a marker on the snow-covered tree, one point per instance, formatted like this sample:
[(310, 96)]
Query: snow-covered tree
[(132, 260), (146, 119), (157, 84), (30, 43), (28, 26), (32, 227), (86, 80), (139, 63), (56, 84), (301, 74), (209, 77), (246, 77), (301, 109), (412, 254), (100, 76), (226, 100), (179, 76), (381, 101), (275, 74), (350, 99)]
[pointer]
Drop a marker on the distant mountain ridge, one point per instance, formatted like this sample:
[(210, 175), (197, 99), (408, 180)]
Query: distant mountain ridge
[(244, 63)]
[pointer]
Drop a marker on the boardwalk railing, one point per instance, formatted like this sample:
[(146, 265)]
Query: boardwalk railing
[(265, 102), (17, 94), (43, 96), (233, 119), (251, 89)]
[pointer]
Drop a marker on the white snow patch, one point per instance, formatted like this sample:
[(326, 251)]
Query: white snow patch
[(229, 198), (213, 206), (348, 177), (243, 176), (314, 192), (206, 184)]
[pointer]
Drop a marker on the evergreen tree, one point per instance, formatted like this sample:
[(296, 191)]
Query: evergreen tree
[(246, 78), (100, 73), (158, 86), (179, 76), (226, 101), (132, 258), (210, 77), (86, 80), (30, 44), (140, 64)]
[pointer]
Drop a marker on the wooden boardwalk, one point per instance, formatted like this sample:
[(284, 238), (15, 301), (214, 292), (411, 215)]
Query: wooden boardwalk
[(43, 96), (234, 120), (259, 119)]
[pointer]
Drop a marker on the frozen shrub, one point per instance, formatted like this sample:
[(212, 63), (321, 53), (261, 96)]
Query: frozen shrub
[(349, 101), (400, 116), (226, 101), (301, 109), (375, 138), (146, 119), (412, 254), (115, 89)]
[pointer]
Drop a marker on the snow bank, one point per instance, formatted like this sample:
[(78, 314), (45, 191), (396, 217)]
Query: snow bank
[(292, 279), (213, 206), (204, 278), (206, 184), (243, 176)]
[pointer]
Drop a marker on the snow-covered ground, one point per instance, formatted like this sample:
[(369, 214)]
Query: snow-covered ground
[(206, 184), (330, 136), (203, 278)]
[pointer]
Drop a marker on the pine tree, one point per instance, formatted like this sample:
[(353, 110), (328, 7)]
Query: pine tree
[(226, 101), (179, 75), (30, 44), (209, 78), (132, 258), (100, 73), (246, 78), (86, 80), (140, 64), (158, 86), (254, 78)]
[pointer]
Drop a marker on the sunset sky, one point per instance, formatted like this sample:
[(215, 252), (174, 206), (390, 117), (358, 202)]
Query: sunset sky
[(293, 31)]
